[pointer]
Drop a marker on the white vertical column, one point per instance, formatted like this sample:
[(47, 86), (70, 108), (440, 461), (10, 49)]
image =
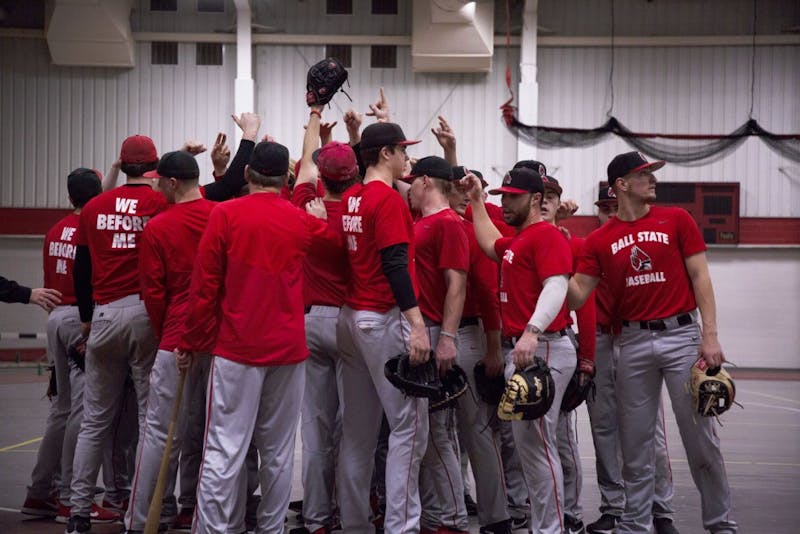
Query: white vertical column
[(244, 87), (528, 90)]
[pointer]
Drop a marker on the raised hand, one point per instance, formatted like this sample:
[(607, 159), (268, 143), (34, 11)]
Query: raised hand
[(249, 123), (380, 109), (220, 154)]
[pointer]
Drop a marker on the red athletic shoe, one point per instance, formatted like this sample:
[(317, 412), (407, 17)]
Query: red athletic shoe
[(184, 519), (63, 514), (40, 507), (101, 515), (116, 506)]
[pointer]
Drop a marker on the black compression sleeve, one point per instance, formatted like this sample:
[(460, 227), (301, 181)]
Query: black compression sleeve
[(394, 262), (231, 183), (82, 280), (10, 291)]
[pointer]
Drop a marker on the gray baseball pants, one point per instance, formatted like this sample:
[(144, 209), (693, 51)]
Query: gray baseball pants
[(602, 408), (646, 360), (320, 422), (121, 338), (367, 339), (537, 441), (247, 403)]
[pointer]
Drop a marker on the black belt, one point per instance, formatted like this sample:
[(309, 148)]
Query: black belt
[(660, 325), (307, 309), (603, 329), (511, 341), (468, 321)]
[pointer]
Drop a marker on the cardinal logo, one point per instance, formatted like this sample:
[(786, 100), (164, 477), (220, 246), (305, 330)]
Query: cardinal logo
[(640, 261), (541, 169), (611, 193), (507, 179)]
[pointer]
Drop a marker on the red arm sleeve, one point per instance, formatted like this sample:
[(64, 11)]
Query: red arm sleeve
[(202, 321), (153, 280), (587, 323)]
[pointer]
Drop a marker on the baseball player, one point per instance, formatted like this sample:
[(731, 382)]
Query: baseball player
[(380, 319), (63, 330), (602, 410), (166, 258), (442, 261), (479, 340), (245, 307), (325, 272), (554, 210), (535, 266), (654, 260), (106, 273)]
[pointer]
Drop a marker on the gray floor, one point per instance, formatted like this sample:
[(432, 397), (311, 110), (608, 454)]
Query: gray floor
[(760, 442)]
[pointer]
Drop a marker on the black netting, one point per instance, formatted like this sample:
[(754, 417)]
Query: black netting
[(680, 149)]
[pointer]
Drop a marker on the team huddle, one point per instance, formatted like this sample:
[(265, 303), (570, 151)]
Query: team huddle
[(276, 295)]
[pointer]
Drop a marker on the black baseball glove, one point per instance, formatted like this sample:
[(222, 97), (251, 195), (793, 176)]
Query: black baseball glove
[(454, 384), (414, 380), (323, 80), (580, 386), (489, 389), (529, 393)]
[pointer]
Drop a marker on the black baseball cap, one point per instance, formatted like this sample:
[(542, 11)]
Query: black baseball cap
[(459, 171), (270, 159), (629, 162), (532, 164), (432, 166), (178, 164), (606, 195), (551, 184), (383, 134), (519, 182)]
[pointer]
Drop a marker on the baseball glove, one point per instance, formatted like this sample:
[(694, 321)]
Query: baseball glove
[(323, 80), (712, 389), (489, 389), (414, 380), (529, 393), (580, 386), (77, 352), (454, 384)]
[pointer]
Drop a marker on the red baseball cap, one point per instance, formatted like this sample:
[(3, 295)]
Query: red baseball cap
[(337, 162), (138, 149)]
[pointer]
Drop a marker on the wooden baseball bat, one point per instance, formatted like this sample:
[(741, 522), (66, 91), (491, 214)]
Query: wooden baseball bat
[(154, 513)]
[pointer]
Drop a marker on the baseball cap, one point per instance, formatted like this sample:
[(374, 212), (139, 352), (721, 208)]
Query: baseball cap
[(606, 195), (520, 181), (177, 164), (383, 134), (552, 185), (459, 171), (432, 166), (629, 162), (270, 159), (532, 164), (337, 162), (138, 149)]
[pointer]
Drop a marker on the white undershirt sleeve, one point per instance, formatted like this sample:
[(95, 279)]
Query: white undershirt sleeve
[(554, 291)]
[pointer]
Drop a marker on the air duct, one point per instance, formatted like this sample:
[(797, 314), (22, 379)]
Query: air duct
[(452, 36), (91, 33)]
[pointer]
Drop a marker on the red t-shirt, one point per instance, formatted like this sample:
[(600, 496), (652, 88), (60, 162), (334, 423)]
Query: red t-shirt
[(482, 296), (59, 257), (605, 303), (533, 255), (167, 256), (375, 217), (246, 295), (111, 225), (496, 215), (643, 261), (325, 269), (440, 243)]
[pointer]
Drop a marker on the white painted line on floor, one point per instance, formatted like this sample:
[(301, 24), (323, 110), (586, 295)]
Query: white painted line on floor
[(751, 403), (34, 440), (775, 397), (10, 510)]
